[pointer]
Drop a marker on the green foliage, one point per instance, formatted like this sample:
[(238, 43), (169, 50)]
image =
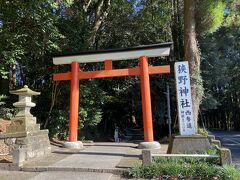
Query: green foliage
[(221, 71), (136, 23), (203, 132), (3, 73), (178, 168), (7, 113), (209, 102), (90, 116), (58, 126), (92, 99), (27, 24), (190, 160), (32, 31), (209, 15), (232, 13), (230, 172), (184, 168), (212, 151), (2, 97)]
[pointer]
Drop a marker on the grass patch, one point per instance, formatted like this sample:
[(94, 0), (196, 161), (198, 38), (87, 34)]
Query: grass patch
[(231, 172), (184, 168)]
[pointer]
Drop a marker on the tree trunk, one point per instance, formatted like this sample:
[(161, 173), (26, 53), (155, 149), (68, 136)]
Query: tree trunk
[(191, 54), (86, 5), (54, 97), (101, 14), (176, 28)]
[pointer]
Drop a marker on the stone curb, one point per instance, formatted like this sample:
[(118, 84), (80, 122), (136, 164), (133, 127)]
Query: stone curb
[(116, 171), (9, 166)]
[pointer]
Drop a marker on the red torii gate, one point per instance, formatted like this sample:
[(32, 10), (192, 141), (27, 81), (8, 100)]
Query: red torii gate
[(107, 56)]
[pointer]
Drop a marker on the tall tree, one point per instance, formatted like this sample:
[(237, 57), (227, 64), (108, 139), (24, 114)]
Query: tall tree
[(191, 53), (199, 17)]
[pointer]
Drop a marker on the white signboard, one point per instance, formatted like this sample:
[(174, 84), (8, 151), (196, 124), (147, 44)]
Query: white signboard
[(184, 98)]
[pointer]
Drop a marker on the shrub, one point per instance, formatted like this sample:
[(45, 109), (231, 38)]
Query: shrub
[(230, 172), (2, 98), (203, 131), (184, 168), (58, 126), (7, 113)]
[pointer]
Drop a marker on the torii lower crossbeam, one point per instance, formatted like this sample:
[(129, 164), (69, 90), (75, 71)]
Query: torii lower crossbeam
[(143, 71), (112, 73)]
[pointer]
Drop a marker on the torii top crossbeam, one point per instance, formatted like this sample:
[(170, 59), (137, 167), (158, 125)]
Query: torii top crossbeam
[(154, 50), (107, 56)]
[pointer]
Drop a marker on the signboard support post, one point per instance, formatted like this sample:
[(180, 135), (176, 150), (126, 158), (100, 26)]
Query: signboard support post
[(169, 112)]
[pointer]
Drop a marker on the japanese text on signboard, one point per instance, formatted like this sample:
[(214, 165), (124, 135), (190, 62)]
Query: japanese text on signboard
[(184, 99)]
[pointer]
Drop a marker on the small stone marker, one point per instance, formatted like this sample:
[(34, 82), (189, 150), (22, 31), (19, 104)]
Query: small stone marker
[(225, 156), (146, 157)]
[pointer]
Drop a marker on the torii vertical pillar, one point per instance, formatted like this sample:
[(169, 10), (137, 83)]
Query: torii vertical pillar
[(146, 107), (74, 106), (74, 102)]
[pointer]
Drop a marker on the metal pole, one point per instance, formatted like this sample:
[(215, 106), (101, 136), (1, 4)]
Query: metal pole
[(169, 111)]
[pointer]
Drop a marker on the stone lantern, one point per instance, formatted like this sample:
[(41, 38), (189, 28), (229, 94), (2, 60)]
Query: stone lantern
[(23, 121), (25, 101), (29, 140)]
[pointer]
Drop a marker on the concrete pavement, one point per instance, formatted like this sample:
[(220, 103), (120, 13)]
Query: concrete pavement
[(100, 161), (100, 157), (59, 175)]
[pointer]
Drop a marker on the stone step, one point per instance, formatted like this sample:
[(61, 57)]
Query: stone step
[(34, 127), (38, 132), (21, 128), (9, 166), (129, 138), (133, 131), (132, 135)]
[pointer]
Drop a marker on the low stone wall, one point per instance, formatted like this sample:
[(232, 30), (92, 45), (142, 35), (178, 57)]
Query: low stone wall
[(35, 144), (3, 125), (224, 155), (5, 154)]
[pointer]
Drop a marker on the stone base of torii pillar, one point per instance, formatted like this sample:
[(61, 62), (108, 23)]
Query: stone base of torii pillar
[(73, 145), (149, 145)]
